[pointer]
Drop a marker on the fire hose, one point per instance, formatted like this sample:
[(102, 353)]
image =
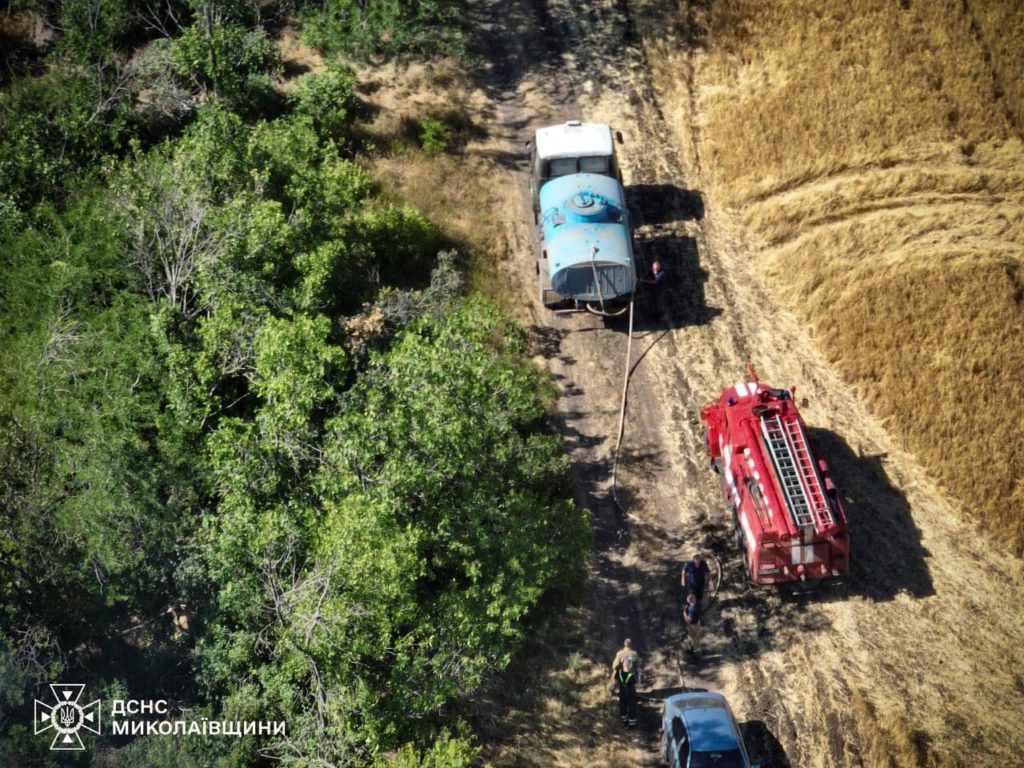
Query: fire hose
[(710, 602), (622, 409)]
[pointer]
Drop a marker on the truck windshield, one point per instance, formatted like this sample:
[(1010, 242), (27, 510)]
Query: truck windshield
[(562, 166), (594, 165)]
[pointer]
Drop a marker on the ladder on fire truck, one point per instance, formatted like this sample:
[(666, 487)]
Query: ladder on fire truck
[(795, 469)]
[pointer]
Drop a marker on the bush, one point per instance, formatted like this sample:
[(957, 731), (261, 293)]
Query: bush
[(434, 136), (236, 62), (446, 752), (92, 28), (328, 99)]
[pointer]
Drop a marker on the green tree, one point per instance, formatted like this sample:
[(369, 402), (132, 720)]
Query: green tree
[(226, 50), (328, 99), (367, 28), (229, 393), (56, 126), (92, 29), (435, 520)]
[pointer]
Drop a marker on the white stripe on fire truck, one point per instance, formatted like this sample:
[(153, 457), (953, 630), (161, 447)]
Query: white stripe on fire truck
[(748, 536), (801, 553)]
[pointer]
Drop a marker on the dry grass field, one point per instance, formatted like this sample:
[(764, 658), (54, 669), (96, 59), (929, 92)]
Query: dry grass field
[(871, 153), (460, 192)]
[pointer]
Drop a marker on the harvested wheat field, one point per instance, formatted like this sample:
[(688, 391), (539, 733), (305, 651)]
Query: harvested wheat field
[(836, 196), (871, 155)]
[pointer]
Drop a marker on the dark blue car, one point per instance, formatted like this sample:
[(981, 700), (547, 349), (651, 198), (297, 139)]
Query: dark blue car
[(699, 731)]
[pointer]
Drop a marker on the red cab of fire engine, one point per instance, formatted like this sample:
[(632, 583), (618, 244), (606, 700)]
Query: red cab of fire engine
[(788, 517)]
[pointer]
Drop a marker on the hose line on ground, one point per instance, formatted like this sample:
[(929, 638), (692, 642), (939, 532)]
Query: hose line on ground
[(622, 409), (618, 445), (604, 313)]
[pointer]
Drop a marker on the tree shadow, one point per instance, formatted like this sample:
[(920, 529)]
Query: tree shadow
[(886, 555), (25, 40), (290, 69), (762, 745), (546, 341)]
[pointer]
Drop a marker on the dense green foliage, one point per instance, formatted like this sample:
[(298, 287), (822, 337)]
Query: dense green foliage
[(54, 126), (384, 27), (259, 454)]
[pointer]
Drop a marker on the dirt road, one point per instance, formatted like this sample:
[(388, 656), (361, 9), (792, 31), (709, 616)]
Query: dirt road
[(922, 655)]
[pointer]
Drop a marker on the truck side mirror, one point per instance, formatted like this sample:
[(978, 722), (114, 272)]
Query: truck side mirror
[(618, 136)]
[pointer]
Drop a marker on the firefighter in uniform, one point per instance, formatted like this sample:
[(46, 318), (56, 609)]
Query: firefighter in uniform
[(626, 678)]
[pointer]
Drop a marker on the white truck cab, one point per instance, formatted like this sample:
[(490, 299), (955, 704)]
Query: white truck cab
[(572, 147)]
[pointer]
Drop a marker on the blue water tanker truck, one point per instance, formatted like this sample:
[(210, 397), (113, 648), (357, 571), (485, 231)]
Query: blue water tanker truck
[(584, 248)]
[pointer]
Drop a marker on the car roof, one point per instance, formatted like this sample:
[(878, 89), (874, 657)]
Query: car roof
[(708, 720), (575, 139)]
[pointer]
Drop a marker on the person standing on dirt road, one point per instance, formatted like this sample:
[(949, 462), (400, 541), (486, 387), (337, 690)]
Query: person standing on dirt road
[(657, 280), (695, 577), (626, 678), (692, 618)]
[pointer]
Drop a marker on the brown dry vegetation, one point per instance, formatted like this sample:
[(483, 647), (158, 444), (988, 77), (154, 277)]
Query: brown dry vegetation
[(460, 192), (889, 742), (297, 57), (553, 707), (871, 152), (452, 191)]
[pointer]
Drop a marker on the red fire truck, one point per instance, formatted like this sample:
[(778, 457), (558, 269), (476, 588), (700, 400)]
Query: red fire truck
[(788, 518)]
